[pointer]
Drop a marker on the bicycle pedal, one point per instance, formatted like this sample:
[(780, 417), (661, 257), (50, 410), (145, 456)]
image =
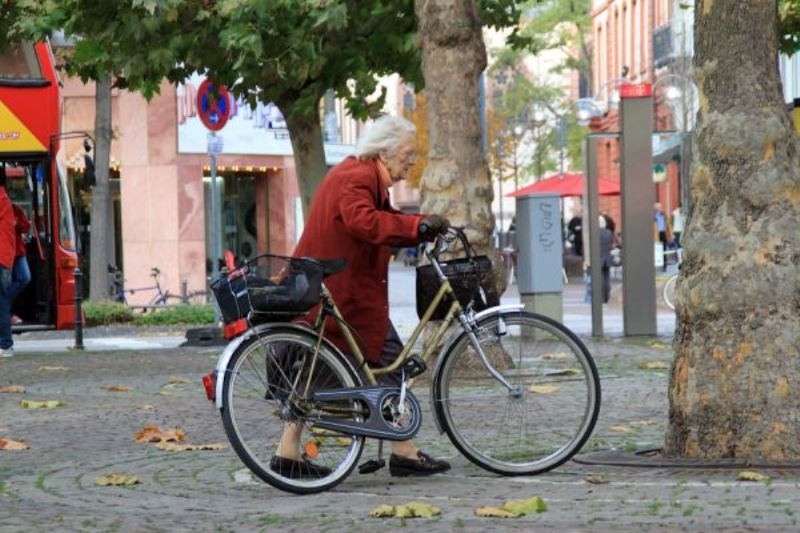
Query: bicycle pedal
[(414, 366), (373, 465)]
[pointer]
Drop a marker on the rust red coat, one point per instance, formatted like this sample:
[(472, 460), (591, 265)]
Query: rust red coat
[(351, 218)]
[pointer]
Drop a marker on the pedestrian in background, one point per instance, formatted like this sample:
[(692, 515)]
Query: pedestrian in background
[(661, 227), (606, 259), (20, 272), (677, 226), (8, 244), (575, 231)]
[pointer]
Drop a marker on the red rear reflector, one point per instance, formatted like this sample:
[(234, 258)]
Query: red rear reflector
[(209, 383), (234, 329)]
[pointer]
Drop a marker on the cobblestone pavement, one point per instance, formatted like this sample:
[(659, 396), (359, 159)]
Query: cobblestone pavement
[(51, 486)]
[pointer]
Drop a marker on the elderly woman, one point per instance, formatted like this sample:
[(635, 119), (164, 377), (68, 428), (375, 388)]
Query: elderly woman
[(351, 217)]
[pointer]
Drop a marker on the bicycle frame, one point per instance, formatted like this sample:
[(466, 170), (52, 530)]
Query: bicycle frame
[(329, 308)]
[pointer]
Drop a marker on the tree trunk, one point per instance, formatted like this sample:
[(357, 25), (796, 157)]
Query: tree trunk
[(102, 222), (734, 389), (456, 182), (305, 131)]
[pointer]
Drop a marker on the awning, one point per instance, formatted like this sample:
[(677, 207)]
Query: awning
[(570, 184)]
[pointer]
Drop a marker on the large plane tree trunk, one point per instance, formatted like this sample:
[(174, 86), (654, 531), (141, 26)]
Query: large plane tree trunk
[(102, 233), (735, 383), (456, 182)]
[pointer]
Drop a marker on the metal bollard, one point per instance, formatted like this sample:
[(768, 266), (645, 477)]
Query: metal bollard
[(78, 315)]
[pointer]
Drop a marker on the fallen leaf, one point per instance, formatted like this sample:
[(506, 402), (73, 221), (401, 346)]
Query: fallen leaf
[(156, 434), (653, 365), (642, 423), (596, 479), (495, 512), (408, 510), (12, 389), (621, 429), (13, 445), (382, 511), (528, 506), (555, 356), (542, 389), (116, 480), (656, 344), (173, 380), (52, 368), (115, 388), (172, 447), (46, 404), (749, 475), (146, 407)]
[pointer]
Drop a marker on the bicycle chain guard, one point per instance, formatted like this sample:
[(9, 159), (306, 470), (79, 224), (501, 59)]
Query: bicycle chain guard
[(381, 422)]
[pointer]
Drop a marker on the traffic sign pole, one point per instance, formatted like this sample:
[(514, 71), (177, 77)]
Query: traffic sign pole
[(213, 106)]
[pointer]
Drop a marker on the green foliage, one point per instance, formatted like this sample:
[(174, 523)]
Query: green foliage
[(106, 312), (789, 29), (178, 314)]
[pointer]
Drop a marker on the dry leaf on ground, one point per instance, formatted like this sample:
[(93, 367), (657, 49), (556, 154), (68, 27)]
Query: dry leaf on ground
[(45, 404), (13, 445), (115, 388), (596, 479), (172, 447), (117, 480), (494, 512), (514, 508), (12, 389), (156, 434), (653, 365), (621, 429), (146, 407), (408, 510), (749, 475), (46, 368), (174, 380), (542, 389)]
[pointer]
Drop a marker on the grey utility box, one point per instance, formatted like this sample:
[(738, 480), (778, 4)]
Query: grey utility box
[(540, 253)]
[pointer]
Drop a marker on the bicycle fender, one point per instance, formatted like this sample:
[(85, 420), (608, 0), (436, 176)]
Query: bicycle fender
[(225, 357), (451, 339)]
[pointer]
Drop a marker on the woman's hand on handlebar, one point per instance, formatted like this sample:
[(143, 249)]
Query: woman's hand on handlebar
[(432, 225)]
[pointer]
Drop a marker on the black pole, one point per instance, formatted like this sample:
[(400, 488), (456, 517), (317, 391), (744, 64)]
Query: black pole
[(78, 314)]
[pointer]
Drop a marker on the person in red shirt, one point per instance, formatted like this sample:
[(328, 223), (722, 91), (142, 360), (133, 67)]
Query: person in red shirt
[(20, 272), (7, 253), (351, 217)]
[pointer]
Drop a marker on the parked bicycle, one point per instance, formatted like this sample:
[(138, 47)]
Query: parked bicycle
[(517, 393), (668, 292), (159, 298)]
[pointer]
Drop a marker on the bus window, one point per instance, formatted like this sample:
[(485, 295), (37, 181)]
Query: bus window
[(20, 64), (66, 226)]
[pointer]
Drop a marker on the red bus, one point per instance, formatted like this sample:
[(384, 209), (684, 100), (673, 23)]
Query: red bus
[(30, 126)]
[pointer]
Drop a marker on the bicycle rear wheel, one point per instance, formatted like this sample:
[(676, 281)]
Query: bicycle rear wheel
[(669, 291), (267, 389), (548, 415)]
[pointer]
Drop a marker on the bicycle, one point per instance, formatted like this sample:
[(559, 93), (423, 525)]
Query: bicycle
[(668, 291), (119, 293), (517, 393)]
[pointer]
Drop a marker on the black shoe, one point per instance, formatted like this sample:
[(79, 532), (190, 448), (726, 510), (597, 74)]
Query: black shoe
[(297, 469), (423, 465)]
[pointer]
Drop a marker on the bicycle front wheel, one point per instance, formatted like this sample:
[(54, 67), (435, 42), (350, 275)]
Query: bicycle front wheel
[(547, 415), (669, 291), (267, 397)]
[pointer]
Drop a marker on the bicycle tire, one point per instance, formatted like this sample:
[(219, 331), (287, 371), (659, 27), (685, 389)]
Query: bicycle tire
[(669, 291), (259, 398), (557, 406)]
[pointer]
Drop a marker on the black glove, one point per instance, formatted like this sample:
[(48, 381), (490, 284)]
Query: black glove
[(433, 225)]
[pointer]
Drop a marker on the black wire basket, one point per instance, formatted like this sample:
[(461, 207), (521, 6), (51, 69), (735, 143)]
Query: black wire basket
[(270, 287)]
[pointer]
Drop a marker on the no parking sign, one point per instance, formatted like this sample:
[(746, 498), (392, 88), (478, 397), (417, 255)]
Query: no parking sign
[(213, 105)]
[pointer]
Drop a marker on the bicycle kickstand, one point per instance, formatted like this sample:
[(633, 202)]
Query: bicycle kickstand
[(368, 467)]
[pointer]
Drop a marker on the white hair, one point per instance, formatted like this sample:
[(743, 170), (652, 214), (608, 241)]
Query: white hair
[(385, 134)]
